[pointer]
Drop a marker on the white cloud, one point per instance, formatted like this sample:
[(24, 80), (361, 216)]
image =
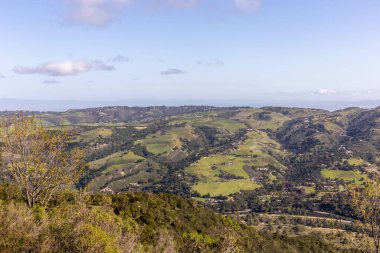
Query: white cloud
[(172, 72), (2, 76), (324, 91), (248, 6), (94, 12), (55, 68)]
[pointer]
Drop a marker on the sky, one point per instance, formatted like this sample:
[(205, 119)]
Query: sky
[(190, 50)]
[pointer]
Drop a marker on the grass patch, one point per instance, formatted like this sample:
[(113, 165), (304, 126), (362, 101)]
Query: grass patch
[(216, 171), (258, 146), (163, 142), (332, 128), (210, 171), (116, 161), (225, 188), (308, 189), (203, 200), (227, 124), (356, 161), (249, 117), (211, 167), (211, 120), (354, 176), (91, 135), (159, 143)]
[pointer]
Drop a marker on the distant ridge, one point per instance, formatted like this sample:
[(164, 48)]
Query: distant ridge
[(64, 105)]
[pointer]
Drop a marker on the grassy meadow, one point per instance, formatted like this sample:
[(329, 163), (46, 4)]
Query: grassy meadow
[(355, 176)]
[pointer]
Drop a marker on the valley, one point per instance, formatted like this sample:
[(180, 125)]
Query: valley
[(210, 152), (283, 170)]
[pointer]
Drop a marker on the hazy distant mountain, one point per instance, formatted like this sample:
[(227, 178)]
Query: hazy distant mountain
[(63, 105)]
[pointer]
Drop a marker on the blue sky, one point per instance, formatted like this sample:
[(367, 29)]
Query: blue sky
[(183, 50)]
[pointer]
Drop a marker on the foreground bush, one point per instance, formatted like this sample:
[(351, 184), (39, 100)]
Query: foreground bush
[(133, 222)]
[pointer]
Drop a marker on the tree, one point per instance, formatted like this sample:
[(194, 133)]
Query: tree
[(367, 202), (36, 159)]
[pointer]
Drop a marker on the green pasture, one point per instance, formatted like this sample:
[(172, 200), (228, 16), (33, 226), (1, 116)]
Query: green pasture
[(308, 189), (225, 188), (116, 161), (91, 135), (258, 145), (209, 169), (165, 141), (248, 116), (356, 161), (355, 175)]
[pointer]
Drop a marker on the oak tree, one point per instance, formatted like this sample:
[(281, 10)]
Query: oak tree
[(36, 159), (367, 203)]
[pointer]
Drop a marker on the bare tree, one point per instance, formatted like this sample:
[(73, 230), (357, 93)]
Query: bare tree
[(367, 202), (37, 159)]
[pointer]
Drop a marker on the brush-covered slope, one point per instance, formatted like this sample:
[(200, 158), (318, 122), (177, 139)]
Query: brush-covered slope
[(134, 222)]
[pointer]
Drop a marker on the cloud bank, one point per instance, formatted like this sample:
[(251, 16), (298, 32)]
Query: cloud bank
[(55, 68), (65, 68)]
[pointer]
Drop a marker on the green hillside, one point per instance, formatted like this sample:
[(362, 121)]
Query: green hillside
[(271, 153)]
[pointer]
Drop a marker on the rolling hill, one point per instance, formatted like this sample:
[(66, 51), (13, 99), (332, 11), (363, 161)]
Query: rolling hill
[(265, 166), (213, 152)]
